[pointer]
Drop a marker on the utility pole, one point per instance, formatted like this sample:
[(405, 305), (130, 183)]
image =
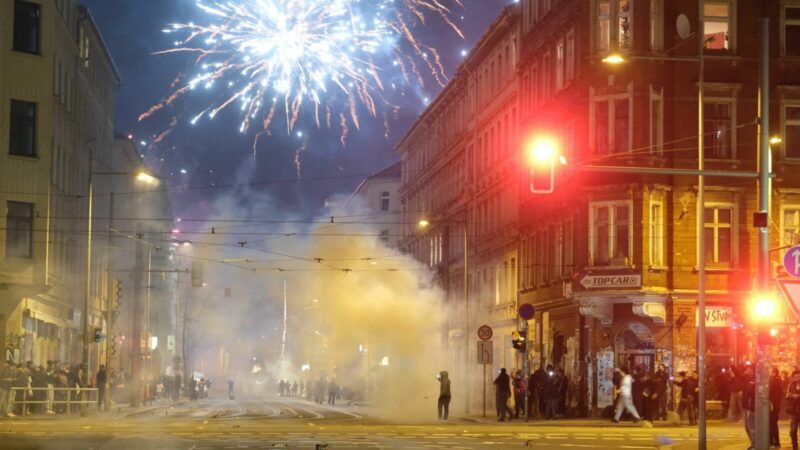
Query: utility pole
[(763, 282), (701, 240), (109, 295), (136, 329)]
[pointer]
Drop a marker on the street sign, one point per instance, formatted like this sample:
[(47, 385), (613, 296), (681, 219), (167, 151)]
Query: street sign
[(485, 332), (791, 261), (790, 288), (611, 281), (485, 352), (526, 311)]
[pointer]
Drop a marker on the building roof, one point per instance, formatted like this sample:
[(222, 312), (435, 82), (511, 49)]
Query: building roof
[(393, 171)]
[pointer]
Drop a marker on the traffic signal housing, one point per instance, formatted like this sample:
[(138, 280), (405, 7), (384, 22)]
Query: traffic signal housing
[(116, 294), (542, 154), (519, 340)]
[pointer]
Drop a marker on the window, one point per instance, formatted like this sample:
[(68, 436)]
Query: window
[(717, 25), (790, 226), (620, 14), (610, 233), (791, 30), (23, 128), (570, 69), (791, 131), (612, 125), (385, 236), (719, 234), (718, 130), (546, 76), (603, 25), (657, 235), (656, 28), (385, 201), (19, 229), (560, 54), (656, 124), (568, 248), (26, 27)]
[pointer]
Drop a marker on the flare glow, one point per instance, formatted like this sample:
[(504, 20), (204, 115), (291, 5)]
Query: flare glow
[(332, 57)]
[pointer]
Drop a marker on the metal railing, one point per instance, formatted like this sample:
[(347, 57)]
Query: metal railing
[(74, 396)]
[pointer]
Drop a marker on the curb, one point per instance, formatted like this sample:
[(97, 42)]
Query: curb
[(153, 408)]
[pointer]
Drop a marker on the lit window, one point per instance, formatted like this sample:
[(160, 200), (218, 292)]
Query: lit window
[(656, 30), (604, 25), (656, 124), (717, 25), (614, 19), (610, 234), (791, 131), (625, 24), (19, 230), (791, 227), (560, 65), (657, 237), (719, 234), (791, 30), (718, 130), (570, 69)]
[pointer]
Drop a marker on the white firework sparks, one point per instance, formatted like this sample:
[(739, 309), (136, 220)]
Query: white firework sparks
[(277, 56)]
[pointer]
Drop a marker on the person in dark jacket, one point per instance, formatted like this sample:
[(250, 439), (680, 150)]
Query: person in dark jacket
[(775, 398), (689, 389), (638, 389), (793, 406), (563, 391), (519, 394), (503, 391), (662, 381), (539, 378), (552, 393), (101, 386), (749, 403), (724, 390), (443, 404)]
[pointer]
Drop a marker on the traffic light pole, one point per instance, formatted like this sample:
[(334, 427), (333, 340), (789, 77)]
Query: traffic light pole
[(761, 441)]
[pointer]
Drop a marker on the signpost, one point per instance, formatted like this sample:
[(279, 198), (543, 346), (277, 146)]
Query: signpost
[(526, 312), (791, 261), (485, 356), (485, 332)]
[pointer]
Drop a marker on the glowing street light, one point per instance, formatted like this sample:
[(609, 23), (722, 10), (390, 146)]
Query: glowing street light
[(146, 178), (423, 223), (614, 58), (764, 309), (775, 140)]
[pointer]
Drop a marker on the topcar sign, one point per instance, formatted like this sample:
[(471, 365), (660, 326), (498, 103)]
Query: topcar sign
[(611, 281)]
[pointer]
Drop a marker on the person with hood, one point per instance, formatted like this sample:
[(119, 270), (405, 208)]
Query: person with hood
[(625, 399), (775, 397), (503, 392), (443, 406), (661, 380)]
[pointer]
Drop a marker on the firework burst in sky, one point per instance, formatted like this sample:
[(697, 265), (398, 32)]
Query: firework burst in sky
[(331, 58)]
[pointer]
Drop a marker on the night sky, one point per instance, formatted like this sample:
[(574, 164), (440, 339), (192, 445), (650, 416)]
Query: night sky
[(214, 154)]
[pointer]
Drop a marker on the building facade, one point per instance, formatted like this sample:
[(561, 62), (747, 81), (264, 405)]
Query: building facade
[(380, 194), (56, 107), (609, 261)]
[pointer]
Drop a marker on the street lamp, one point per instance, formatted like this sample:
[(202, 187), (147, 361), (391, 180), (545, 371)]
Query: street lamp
[(141, 176), (424, 224)]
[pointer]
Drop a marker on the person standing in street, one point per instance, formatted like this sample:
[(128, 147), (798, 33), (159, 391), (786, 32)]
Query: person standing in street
[(443, 404), (231, 396), (6, 397), (552, 393), (333, 391), (775, 397), (749, 403), (503, 391), (689, 389), (625, 399), (793, 406), (101, 386), (662, 381), (519, 394), (738, 382)]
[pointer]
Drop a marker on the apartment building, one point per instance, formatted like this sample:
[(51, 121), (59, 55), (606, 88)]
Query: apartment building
[(57, 82), (460, 175), (379, 194)]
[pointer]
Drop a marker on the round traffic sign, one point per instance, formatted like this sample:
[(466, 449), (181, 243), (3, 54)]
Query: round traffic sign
[(485, 332), (526, 311), (791, 261)]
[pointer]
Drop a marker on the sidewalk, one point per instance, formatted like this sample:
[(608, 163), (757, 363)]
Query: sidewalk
[(117, 411), (582, 422)]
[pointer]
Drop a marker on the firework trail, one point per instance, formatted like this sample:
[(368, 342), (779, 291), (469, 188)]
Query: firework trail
[(269, 57)]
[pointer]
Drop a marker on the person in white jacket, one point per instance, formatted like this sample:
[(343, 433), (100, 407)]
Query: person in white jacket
[(625, 400)]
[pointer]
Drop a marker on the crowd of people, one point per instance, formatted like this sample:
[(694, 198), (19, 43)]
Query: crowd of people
[(319, 391)]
